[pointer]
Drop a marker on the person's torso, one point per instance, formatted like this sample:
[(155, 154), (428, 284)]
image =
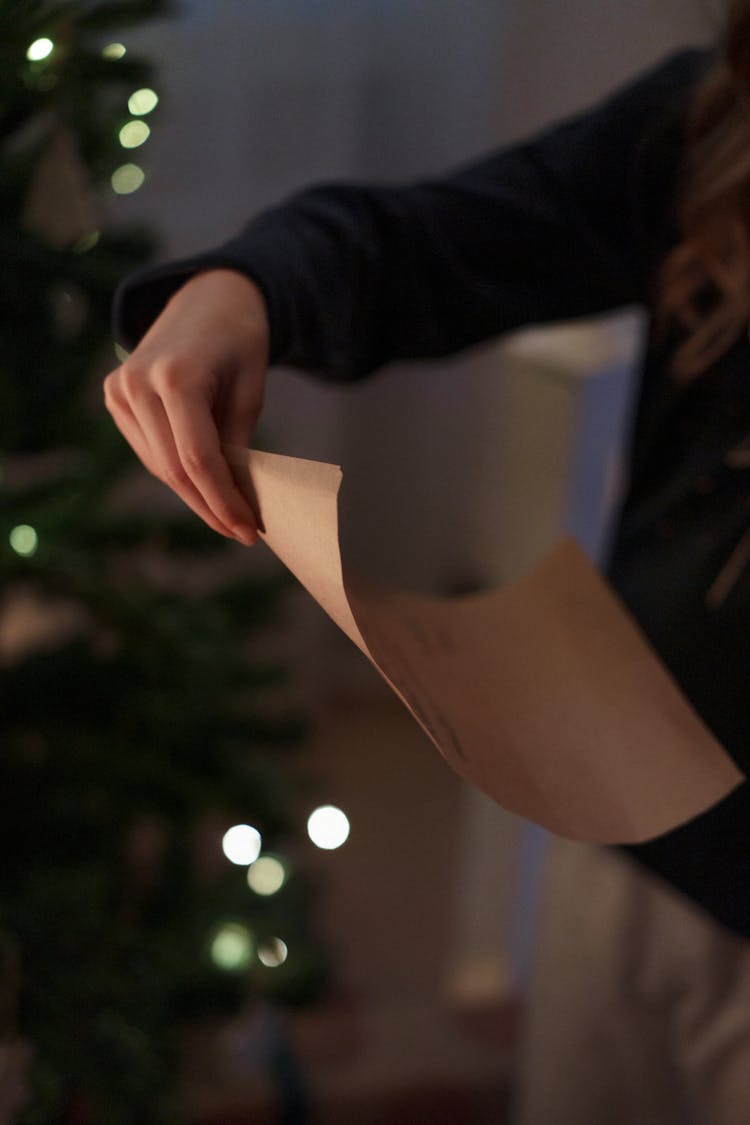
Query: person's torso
[(681, 556)]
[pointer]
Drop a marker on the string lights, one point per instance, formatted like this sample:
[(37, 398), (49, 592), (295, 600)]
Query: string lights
[(129, 177), (233, 945)]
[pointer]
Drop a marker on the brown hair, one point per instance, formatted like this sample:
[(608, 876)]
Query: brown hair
[(704, 285)]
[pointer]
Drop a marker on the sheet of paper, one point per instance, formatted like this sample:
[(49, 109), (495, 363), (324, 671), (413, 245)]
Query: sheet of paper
[(544, 693)]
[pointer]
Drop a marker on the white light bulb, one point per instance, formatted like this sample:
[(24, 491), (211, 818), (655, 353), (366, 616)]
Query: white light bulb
[(328, 827), (241, 844)]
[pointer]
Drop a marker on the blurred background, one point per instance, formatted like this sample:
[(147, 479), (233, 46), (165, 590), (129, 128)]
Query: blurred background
[(157, 690)]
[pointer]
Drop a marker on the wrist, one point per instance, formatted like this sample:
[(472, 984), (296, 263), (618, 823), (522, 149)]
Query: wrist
[(237, 295)]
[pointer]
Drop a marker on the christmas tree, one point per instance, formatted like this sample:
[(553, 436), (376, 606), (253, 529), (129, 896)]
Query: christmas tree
[(136, 722)]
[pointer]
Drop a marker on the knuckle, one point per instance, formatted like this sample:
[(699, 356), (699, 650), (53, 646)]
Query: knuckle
[(173, 473), (197, 460), (171, 374), (130, 379), (173, 478), (111, 388)]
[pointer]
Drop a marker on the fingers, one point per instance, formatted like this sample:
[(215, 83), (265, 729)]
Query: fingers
[(195, 380), (199, 446), (177, 442), (135, 436)]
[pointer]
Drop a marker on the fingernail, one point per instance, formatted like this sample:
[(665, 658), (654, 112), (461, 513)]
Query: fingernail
[(245, 534)]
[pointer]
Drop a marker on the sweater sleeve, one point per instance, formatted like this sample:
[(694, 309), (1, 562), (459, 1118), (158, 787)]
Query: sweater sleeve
[(356, 275)]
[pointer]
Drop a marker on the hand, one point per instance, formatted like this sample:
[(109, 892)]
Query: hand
[(195, 381)]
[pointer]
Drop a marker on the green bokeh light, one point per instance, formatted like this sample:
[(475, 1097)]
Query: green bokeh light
[(24, 540), (127, 178), (40, 49), (142, 101), (232, 947), (133, 134), (267, 875)]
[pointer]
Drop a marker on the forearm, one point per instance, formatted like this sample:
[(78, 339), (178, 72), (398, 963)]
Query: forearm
[(355, 276)]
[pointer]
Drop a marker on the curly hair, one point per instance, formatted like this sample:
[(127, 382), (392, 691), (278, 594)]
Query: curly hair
[(704, 285)]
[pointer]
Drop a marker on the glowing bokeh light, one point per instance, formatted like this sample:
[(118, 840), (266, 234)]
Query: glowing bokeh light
[(266, 876), (232, 947), (40, 49), (24, 540), (142, 101), (241, 844), (113, 51), (133, 134), (328, 827), (273, 953), (87, 242), (127, 178)]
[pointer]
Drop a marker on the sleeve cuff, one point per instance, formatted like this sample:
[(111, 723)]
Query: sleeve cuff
[(141, 297)]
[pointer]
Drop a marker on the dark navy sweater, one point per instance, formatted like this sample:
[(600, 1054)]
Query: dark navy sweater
[(573, 222)]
